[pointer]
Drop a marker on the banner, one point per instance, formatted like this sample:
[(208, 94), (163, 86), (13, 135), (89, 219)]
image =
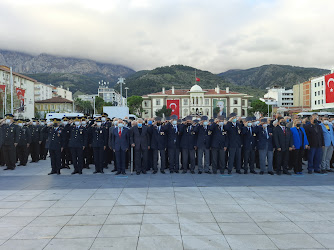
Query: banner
[(20, 95), (2, 88), (329, 81), (175, 106)]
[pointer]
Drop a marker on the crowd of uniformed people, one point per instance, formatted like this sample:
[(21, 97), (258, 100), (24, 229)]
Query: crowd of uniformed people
[(218, 145)]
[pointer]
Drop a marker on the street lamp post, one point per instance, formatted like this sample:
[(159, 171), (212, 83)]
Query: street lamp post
[(94, 104), (126, 95), (120, 82)]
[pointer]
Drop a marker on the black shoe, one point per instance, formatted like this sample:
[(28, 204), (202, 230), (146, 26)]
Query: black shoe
[(245, 172), (177, 171), (154, 172), (286, 172), (80, 172), (163, 172), (193, 172), (199, 172), (309, 172), (74, 172), (208, 172), (144, 172), (106, 167), (229, 172), (51, 173), (7, 169), (318, 172), (58, 173), (102, 172), (138, 173), (20, 165), (171, 171), (238, 172), (114, 170), (253, 172), (118, 173), (330, 170), (271, 172), (214, 172), (95, 172), (123, 173), (262, 173), (184, 171), (324, 171), (278, 173)]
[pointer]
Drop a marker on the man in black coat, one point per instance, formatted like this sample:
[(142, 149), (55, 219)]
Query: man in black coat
[(140, 141), (283, 141), (315, 138), (98, 140), (34, 147), (55, 143), (203, 145), (23, 143), (158, 144), (10, 136)]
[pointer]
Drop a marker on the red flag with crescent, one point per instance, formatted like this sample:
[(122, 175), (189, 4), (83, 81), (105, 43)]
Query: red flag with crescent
[(329, 80), (174, 105), (2, 88), (197, 79)]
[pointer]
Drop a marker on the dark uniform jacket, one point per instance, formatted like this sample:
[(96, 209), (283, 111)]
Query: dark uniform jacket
[(36, 134), (98, 137), (78, 137), (188, 137), (315, 135), (173, 135), (158, 138), (283, 140), (249, 137), (140, 139), (234, 134), (24, 136), (55, 139), (10, 134), (219, 137), (262, 139), (203, 136), (120, 143)]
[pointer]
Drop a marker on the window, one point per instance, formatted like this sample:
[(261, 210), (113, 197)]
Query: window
[(315, 84), (145, 104), (319, 92), (322, 83), (243, 113), (322, 92), (235, 101), (235, 110), (315, 102), (318, 84), (207, 102), (318, 101), (315, 93), (322, 101), (243, 104), (157, 102), (185, 101)]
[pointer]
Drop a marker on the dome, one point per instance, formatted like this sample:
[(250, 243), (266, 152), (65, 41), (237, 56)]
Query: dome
[(196, 88)]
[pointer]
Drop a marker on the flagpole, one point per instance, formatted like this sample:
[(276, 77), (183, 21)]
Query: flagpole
[(5, 100), (195, 76), (11, 92)]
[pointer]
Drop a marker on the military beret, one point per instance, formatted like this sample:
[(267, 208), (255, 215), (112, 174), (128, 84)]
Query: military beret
[(264, 120), (167, 118), (249, 119), (204, 118), (56, 120), (157, 119), (173, 117), (9, 116), (221, 117), (211, 120)]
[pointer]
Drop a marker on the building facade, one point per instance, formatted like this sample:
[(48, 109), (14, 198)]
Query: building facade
[(302, 95), (89, 98), (53, 105), (43, 91), (196, 102), (284, 97), (63, 93), (23, 108), (110, 95)]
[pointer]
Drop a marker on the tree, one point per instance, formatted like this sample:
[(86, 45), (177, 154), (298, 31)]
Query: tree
[(135, 105), (164, 111), (260, 106), (99, 103), (83, 106)]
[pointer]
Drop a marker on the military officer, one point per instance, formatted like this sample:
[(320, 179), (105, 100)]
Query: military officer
[(23, 143), (35, 130), (203, 144), (55, 143), (98, 141), (86, 150), (77, 143), (66, 153), (249, 143), (44, 134), (173, 144), (10, 140)]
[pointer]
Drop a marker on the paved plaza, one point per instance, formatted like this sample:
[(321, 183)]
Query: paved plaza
[(172, 211)]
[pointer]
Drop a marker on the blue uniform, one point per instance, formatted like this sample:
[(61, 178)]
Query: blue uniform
[(219, 141), (55, 143)]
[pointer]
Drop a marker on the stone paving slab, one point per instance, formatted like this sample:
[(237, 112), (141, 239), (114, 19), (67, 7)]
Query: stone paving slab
[(164, 211)]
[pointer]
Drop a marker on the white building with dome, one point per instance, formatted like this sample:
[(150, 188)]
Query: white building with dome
[(196, 102)]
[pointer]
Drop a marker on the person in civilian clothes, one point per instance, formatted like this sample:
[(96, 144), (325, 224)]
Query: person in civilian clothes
[(98, 140), (249, 144), (219, 145), (111, 129), (188, 144), (77, 143), (203, 145), (44, 134), (234, 128), (23, 143), (120, 141), (55, 144), (140, 141), (316, 141), (264, 137), (283, 144), (300, 143), (327, 150), (173, 144), (10, 135), (158, 145)]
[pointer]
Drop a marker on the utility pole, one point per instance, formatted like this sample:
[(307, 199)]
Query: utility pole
[(11, 92), (126, 95), (120, 82)]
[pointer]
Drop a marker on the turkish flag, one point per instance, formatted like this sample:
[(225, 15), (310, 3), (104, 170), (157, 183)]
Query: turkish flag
[(2, 88), (197, 79), (329, 81), (174, 105), (20, 93)]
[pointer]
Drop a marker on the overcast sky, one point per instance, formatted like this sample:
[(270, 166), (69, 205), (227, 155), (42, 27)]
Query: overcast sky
[(213, 35)]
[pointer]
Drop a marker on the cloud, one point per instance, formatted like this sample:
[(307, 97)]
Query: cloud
[(214, 35)]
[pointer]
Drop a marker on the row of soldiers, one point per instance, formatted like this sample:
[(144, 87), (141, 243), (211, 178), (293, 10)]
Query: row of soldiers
[(219, 144)]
